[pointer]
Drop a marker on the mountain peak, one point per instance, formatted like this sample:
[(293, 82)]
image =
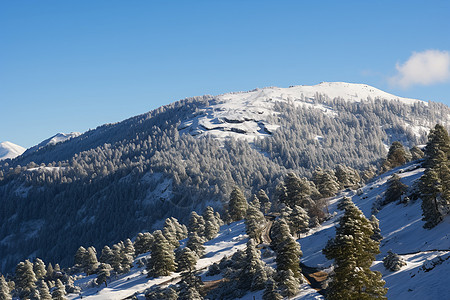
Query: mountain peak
[(10, 150)]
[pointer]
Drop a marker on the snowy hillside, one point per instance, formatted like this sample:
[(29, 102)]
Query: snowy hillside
[(57, 138), (247, 115), (10, 150), (426, 252)]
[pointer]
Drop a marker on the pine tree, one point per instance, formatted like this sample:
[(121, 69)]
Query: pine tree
[(185, 259), (5, 293), (326, 182), (287, 249), (430, 188), (143, 243), (289, 284), (170, 233), (266, 205), (196, 224), (237, 205), (393, 262), (346, 176), (107, 255), (298, 221), (60, 291), (254, 223), (253, 274), (39, 269), (395, 189), (353, 252), (25, 278), (344, 202), (271, 292), (44, 291), (90, 261), (195, 243), (162, 260), (191, 287), (376, 236), (103, 273), (80, 257), (50, 271), (416, 153), (396, 157), (117, 259), (438, 140), (212, 226)]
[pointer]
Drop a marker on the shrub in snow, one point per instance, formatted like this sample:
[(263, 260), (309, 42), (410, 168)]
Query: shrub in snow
[(393, 262)]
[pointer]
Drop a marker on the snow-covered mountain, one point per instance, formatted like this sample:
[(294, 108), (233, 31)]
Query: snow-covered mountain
[(10, 150), (57, 138), (122, 178), (426, 252), (247, 115)]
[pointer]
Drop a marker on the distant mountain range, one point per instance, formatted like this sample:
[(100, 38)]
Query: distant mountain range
[(10, 150), (109, 183)]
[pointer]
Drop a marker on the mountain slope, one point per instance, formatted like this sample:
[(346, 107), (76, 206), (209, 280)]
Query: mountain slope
[(112, 182), (57, 138), (10, 150)]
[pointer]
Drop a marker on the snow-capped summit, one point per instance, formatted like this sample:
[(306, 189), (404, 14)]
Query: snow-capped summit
[(246, 115), (10, 150), (57, 138)]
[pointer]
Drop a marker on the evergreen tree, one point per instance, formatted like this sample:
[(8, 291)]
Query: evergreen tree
[(416, 153), (191, 287), (80, 258), (253, 274), (5, 293), (326, 182), (430, 189), (288, 283), (35, 295), (266, 205), (271, 292), (90, 261), (347, 176), (185, 259), (25, 279), (395, 189), (60, 291), (39, 269), (396, 157), (162, 260), (212, 226), (237, 206), (44, 291), (438, 140), (50, 271), (393, 262), (170, 233), (107, 255), (195, 243), (117, 259), (143, 243), (196, 224), (254, 223), (353, 252), (376, 236), (287, 249), (103, 273), (298, 221), (344, 202)]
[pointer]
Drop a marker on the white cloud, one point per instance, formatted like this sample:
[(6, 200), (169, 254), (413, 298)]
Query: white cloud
[(423, 68)]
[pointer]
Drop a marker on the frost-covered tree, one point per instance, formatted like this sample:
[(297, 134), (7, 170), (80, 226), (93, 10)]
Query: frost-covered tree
[(143, 242), (396, 188), (91, 262), (195, 243), (376, 236), (298, 221), (39, 268), (271, 292), (393, 262), (344, 203), (346, 176), (287, 249), (253, 274), (5, 293), (185, 259), (396, 156), (44, 291), (80, 258), (353, 252), (416, 153), (430, 189), (162, 260), (237, 206), (326, 182), (288, 283), (59, 293), (254, 223), (191, 287), (103, 273), (266, 204), (212, 226), (196, 224), (25, 279), (107, 255)]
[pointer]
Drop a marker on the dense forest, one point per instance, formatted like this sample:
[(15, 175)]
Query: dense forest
[(119, 179)]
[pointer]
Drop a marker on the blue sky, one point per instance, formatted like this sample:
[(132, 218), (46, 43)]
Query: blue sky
[(74, 65)]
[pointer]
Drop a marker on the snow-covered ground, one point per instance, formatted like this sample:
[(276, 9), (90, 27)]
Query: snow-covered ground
[(247, 115), (426, 252), (57, 138), (10, 150)]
